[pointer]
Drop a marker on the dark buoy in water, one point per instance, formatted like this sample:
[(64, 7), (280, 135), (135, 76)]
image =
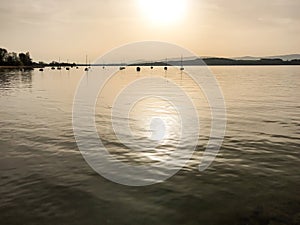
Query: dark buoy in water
[(151, 67), (138, 69), (165, 68)]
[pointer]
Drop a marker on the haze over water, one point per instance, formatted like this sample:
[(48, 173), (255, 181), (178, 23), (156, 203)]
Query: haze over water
[(254, 179)]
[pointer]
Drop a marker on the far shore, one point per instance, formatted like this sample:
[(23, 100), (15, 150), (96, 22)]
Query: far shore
[(157, 64), (17, 67)]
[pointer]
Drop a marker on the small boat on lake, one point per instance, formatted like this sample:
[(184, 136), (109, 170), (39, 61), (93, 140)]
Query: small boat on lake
[(68, 68), (166, 68), (181, 65), (59, 67), (86, 65)]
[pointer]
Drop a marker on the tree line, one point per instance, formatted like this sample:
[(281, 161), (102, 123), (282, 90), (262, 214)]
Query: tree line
[(14, 59)]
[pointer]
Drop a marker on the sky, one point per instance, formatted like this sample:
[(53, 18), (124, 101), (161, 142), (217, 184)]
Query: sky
[(70, 29)]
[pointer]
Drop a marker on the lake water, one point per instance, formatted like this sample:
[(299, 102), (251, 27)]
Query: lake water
[(254, 179)]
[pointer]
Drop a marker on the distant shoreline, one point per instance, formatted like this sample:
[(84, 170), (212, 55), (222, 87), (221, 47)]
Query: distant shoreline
[(23, 61), (194, 62), (107, 65), (223, 62), (18, 67)]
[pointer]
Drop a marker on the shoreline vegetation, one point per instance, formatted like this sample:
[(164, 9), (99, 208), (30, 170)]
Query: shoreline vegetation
[(23, 61)]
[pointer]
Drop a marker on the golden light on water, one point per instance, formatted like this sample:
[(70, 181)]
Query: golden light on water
[(156, 119), (163, 12)]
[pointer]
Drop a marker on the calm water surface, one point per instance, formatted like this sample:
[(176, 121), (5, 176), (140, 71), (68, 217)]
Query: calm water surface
[(254, 180)]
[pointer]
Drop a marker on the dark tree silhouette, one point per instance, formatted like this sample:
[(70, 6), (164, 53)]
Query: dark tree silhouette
[(3, 55), (25, 59), (13, 59)]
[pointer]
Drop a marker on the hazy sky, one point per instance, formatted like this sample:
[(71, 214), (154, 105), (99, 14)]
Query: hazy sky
[(69, 29)]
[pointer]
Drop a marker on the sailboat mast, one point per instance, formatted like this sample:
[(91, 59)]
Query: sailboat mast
[(181, 64), (86, 66)]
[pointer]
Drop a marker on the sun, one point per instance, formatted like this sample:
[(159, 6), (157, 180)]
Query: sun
[(163, 11)]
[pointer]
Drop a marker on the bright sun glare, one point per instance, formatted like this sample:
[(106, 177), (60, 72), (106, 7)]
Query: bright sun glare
[(163, 11)]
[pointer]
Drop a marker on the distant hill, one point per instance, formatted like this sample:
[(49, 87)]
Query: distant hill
[(283, 57), (244, 60), (247, 58), (221, 62), (292, 59)]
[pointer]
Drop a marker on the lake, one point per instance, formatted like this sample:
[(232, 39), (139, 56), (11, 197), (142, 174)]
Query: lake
[(253, 180)]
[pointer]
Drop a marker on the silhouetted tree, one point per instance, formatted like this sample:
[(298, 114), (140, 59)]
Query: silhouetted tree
[(54, 63), (3, 55), (25, 59), (13, 59)]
